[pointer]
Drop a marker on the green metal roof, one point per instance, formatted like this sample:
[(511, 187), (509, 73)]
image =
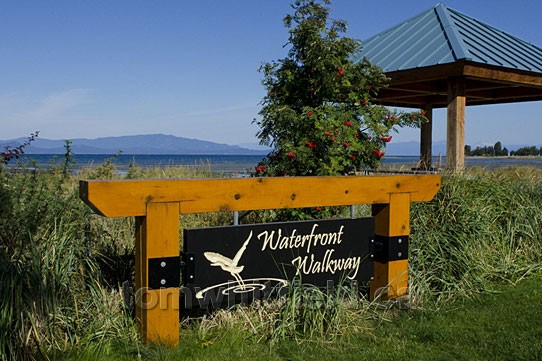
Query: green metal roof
[(442, 35)]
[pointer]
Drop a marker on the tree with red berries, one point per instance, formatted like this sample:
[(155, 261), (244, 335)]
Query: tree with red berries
[(318, 114)]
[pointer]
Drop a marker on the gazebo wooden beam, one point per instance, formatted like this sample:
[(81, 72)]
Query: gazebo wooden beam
[(510, 76), (479, 101), (424, 74), (455, 134), (404, 96), (398, 94), (504, 93), (434, 86), (417, 102), (426, 139), (479, 85), (466, 69), (486, 91)]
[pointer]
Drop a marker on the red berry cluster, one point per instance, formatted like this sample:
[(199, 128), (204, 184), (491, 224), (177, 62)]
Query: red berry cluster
[(311, 145), (378, 153), (386, 139)]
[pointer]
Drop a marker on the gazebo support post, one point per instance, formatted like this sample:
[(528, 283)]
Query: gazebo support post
[(426, 138), (455, 135)]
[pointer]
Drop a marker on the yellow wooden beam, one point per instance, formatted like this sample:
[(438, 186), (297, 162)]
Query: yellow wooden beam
[(157, 310), (390, 280), (391, 220), (130, 197)]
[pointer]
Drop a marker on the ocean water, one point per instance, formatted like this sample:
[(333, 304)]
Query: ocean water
[(240, 164), (215, 163)]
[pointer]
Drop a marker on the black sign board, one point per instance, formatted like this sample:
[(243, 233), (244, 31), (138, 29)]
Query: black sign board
[(228, 265)]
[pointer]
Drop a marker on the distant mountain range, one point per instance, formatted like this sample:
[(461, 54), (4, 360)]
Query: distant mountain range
[(169, 144), (133, 144)]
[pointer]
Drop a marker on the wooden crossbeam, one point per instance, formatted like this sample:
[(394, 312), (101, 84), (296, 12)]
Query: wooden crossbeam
[(130, 197)]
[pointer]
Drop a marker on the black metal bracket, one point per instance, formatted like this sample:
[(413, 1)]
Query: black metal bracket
[(188, 267), (164, 272), (391, 248)]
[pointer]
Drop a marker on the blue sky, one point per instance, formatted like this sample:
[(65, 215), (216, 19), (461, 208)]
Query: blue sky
[(81, 68)]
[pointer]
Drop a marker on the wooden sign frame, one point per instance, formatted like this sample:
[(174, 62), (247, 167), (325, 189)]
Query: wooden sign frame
[(157, 204)]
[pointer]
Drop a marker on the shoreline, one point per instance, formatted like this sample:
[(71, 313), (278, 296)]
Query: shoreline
[(235, 164), (535, 157)]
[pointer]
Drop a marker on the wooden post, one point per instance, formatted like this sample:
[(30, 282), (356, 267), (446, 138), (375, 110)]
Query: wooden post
[(157, 243), (392, 228), (426, 139), (455, 135)]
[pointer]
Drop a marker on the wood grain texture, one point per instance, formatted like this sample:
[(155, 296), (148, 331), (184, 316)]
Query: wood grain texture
[(393, 219), (157, 236), (130, 197), (391, 280), (455, 134)]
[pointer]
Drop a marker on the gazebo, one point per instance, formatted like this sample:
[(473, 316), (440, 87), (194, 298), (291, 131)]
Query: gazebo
[(443, 58)]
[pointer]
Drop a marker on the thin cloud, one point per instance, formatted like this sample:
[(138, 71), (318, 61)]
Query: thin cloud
[(55, 105), (49, 112), (213, 111)]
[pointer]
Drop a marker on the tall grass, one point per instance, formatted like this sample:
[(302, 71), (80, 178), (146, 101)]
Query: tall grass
[(51, 299), (52, 293), (482, 227), (56, 256)]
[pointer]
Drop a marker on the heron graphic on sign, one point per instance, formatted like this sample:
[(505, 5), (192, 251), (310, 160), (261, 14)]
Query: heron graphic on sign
[(232, 266), (228, 264)]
